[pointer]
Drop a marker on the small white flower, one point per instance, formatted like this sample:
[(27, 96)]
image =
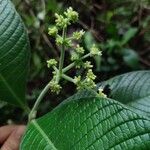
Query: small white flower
[(100, 92)]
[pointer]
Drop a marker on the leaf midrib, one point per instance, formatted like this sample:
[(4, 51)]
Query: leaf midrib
[(43, 134)]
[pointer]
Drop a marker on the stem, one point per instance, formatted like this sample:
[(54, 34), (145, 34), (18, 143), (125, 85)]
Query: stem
[(33, 112), (68, 67), (55, 69), (70, 38), (68, 78), (86, 56), (62, 56), (73, 64)]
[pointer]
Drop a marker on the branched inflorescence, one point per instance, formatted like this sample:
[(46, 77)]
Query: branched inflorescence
[(78, 55)]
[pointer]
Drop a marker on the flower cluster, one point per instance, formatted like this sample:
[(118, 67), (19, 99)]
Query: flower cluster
[(59, 40), (71, 15), (51, 63), (53, 31), (78, 34), (95, 51), (79, 49), (62, 21), (101, 93), (55, 87), (88, 65), (77, 54), (88, 82)]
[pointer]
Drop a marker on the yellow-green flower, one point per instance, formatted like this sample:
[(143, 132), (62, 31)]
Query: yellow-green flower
[(75, 56), (87, 65), (100, 92), (79, 49), (51, 62), (90, 75), (78, 34), (77, 79), (55, 87), (71, 14), (61, 22), (59, 40), (95, 51), (53, 31)]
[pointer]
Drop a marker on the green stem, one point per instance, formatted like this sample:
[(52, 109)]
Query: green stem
[(68, 67), (68, 78), (55, 68), (86, 56), (70, 38), (62, 56), (73, 64), (33, 112)]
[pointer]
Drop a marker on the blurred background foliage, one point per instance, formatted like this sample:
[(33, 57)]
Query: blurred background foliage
[(120, 28)]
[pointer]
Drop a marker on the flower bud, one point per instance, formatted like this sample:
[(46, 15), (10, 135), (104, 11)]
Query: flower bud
[(95, 51), (90, 75), (78, 34), (79, 49), (100, 92), (75, 56), (55, 87), (61, 22), (87, 65), (71, 14), (53, 31), (59, 40), (51, 62)]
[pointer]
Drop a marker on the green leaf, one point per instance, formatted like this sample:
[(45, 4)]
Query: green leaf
[(14, 55), (89, 40), (131, 58), (132, 89), (87, 121), (128, 35)]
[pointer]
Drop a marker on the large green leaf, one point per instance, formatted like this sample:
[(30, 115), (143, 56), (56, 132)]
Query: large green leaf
[(14, 55), (87, 121), (132, 89)]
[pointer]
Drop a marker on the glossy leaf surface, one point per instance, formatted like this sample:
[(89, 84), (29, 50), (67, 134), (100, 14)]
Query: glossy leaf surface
[(87, 121), (14, 55), (132, 89)]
